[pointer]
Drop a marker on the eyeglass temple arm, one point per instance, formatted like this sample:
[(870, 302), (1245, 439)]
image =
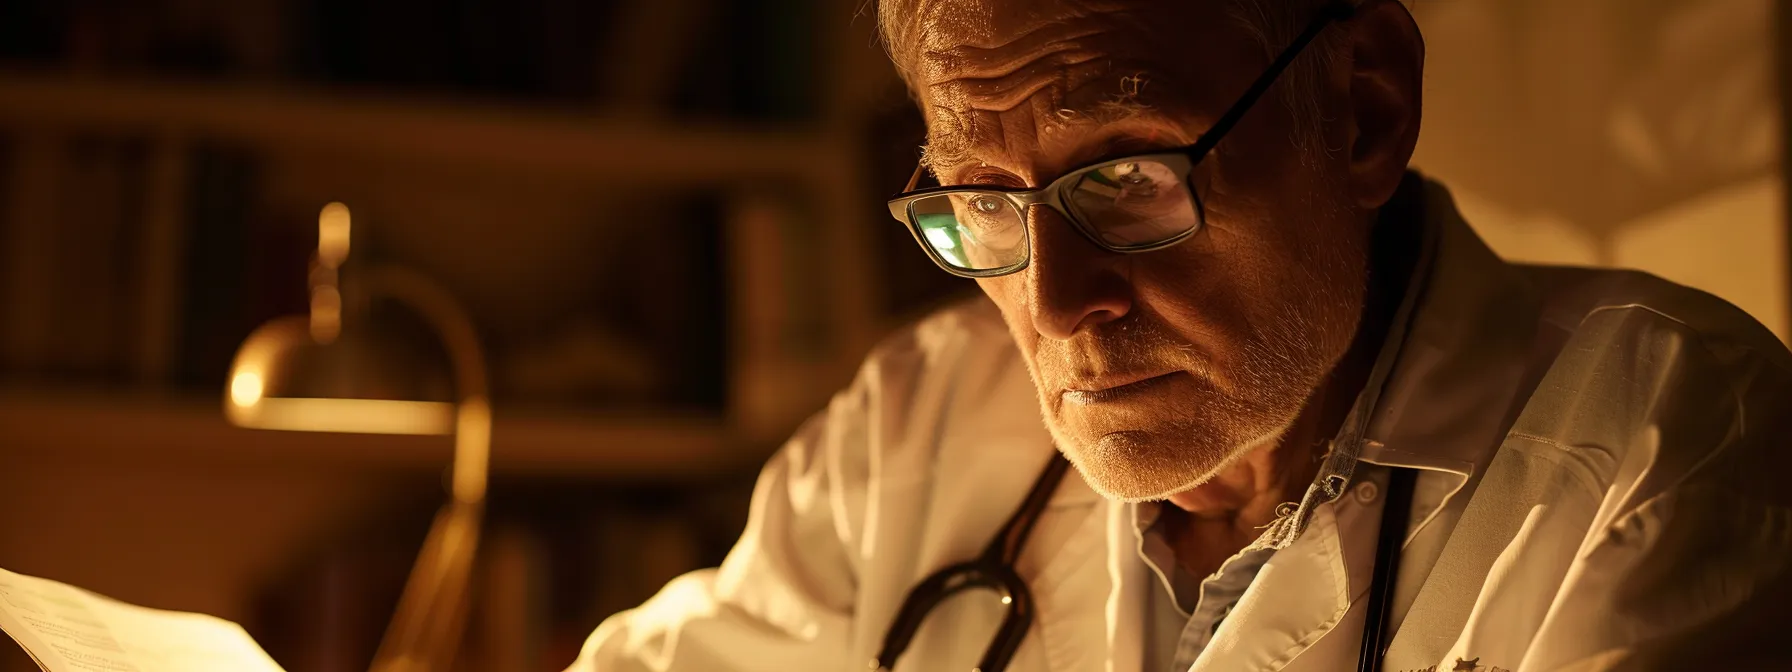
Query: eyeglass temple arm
[(1337, 11), (915, 178)]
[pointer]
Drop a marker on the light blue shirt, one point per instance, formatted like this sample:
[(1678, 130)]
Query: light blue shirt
[(1188, 610)]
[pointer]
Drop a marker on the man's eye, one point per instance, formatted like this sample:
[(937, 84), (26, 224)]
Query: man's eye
[(1135, 183), (986, 205)]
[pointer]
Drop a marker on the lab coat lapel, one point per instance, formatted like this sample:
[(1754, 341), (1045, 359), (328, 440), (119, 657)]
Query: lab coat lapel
[(1128, 579), (1459, 381), (1063, 567), (1511, 489), (1299, 596)]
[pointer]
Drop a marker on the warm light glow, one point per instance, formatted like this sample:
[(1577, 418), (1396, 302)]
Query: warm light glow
[(326, 314), (355, 416), (245, 388), (685, 598), (472, 449), (332, 235)]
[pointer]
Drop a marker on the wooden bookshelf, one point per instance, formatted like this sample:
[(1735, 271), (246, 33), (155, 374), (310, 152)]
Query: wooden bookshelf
[(496, 136), (621, 150)]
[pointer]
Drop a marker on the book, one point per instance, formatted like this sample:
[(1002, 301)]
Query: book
[(68, 629)]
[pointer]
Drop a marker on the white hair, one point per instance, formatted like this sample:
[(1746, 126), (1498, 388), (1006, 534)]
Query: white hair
[(1273, 25)]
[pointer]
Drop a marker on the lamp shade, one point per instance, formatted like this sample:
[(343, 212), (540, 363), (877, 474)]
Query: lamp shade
[(285, 378)]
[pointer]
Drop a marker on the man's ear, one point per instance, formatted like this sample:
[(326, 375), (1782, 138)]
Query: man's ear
[(1387, 63)]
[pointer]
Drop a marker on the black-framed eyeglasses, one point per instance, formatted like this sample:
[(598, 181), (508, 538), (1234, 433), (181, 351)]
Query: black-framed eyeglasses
[(1135, 203)]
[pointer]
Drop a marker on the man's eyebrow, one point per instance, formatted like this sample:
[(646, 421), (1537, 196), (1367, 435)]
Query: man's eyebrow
[(1115, 112), (1118, 145), (939, 153), (1123, 141), (949, 141), (955, 146), (953, 152)]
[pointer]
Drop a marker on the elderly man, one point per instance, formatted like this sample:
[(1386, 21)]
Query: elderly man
[(1315, 423)]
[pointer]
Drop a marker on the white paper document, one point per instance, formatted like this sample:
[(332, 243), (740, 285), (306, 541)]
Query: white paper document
[(67, 629)]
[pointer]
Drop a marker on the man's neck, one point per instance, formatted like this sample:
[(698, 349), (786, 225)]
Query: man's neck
[(1207, 524), (1210, 523)]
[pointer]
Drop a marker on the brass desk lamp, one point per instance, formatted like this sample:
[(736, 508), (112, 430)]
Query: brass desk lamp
[(301, 373)]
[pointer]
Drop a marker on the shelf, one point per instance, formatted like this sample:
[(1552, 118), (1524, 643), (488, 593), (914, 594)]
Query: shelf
[(495, 137), (102, 428), (395, 135)]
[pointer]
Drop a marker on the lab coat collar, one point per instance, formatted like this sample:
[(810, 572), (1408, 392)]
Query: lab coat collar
[(1450, 376), (1449, 352)]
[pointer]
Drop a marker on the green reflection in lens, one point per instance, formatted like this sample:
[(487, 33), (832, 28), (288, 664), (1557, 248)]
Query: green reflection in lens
[(941, 232)]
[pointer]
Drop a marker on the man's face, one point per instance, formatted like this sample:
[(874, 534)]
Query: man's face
[(1154, 370)]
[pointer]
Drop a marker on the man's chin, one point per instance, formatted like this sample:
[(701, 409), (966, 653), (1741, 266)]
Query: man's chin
[(1137, 465), (1147, 465)]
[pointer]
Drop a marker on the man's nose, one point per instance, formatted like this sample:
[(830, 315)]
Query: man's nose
[(1072, 285)]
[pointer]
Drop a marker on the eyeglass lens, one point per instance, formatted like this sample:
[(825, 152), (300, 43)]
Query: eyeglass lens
[(972, 231), (1125, 205), (1133, 204)]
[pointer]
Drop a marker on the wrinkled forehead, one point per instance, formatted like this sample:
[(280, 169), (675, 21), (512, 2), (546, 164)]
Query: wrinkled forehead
[(985, 40), (946, 24), (1062, 62)]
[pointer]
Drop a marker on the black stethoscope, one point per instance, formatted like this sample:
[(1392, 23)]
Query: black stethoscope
[(994, 570)]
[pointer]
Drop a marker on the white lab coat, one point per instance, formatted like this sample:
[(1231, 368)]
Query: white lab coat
[(1603, 461)]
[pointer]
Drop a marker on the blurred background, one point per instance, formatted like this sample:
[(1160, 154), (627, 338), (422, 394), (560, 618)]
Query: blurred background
[(666, 220)]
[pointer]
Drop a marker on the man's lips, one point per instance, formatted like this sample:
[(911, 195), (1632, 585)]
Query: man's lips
[(1116, 387)]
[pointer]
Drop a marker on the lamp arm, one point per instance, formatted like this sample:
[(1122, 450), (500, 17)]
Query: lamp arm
[(473, 418), (425, 630)]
